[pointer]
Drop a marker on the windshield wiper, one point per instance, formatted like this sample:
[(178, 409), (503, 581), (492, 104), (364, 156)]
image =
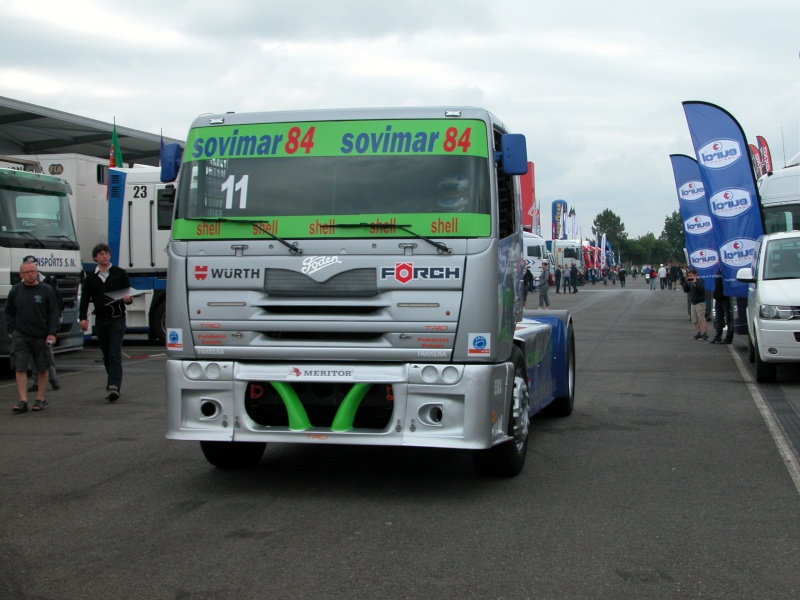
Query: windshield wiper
[(442, 247), (37, 240), (292, 247), (73, 244)]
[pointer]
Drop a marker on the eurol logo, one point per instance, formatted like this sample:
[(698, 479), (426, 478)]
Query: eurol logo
[(692, 190), (730, 203), (719, 154), (738, 253), (698, 225), (703, 259)]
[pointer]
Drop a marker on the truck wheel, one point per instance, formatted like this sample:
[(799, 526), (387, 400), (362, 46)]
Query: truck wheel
[(562, 406), (751, 350), (158, 324), (508, 458), (228, 455), (765, 372)]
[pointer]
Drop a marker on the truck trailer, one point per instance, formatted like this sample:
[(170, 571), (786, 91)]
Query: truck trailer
[(355, 277)]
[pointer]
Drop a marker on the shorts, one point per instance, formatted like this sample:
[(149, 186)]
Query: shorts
[(698, 312), (28, 352)]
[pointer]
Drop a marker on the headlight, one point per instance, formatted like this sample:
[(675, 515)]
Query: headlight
[(767, 311)]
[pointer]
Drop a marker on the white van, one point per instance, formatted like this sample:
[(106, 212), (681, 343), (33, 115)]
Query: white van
[(780, 199)]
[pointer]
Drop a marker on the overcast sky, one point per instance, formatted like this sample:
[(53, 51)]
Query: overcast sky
[(596, 87)]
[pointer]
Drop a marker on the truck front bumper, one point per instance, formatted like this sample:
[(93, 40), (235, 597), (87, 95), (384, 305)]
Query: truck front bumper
[(427, 404)]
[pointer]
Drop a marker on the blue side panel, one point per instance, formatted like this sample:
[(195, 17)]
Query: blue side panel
[(548, 377), (149, 283), (116, 202)]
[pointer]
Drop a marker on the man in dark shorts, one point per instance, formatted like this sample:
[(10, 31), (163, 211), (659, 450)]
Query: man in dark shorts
[(32, 321)]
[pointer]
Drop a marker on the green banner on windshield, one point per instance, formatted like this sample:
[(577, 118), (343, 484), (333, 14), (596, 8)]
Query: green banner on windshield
[(434, 225), (435, 137)]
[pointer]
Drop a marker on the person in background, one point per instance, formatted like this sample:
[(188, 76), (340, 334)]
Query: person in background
[(565, 278), (32, 321), (109, 322), (52, 374), (573, 278), (527, 284), (622, 275), (544, 286), (662, 276), (696, 289), (723, 311)]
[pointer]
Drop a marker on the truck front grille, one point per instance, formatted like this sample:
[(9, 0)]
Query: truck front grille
[(360, 283)]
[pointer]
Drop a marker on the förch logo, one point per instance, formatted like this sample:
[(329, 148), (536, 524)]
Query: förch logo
[(405, 272), (312, 264)]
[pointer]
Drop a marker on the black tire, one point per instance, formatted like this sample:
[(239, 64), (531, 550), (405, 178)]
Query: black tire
[(158, 324), (562, 407), (231, 455), (508, 458), (751, 351), (765, 372)]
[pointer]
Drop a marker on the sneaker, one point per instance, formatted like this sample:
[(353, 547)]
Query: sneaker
[(55, 384), (704, 337), (697, 337), (726, 342), (113, 393), (715, 341)]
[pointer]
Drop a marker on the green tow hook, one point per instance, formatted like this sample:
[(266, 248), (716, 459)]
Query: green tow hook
[(298, 419), (343, 421)]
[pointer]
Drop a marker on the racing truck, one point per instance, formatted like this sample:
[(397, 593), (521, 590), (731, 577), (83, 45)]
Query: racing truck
[(355, 277)]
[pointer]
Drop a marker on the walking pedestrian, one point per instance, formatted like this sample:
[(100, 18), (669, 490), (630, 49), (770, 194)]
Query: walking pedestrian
[(109, 322), (52, 374), (544, 286), (565, 276), (558, 278), (622, 275), (32, 320), (573, 277)]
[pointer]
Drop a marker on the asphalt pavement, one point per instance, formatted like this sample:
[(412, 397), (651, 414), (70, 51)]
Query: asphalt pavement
[(675, 477)]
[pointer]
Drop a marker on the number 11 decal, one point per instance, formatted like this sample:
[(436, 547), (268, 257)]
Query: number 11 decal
[(229, 188)]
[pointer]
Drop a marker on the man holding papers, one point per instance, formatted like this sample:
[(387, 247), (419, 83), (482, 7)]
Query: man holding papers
[(108, 288)]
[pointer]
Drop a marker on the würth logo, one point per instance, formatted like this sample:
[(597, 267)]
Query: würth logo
[(200, 272)]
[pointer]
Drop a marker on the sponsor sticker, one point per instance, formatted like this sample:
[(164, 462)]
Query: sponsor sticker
[(175, 339), (479, 343)]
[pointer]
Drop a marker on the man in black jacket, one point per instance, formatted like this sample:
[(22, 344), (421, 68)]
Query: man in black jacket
[(32, 322), (723, 313), (109, 314), (696, 289)]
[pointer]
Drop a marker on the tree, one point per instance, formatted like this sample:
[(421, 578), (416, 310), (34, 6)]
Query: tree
[(674, 237), (609, 223)]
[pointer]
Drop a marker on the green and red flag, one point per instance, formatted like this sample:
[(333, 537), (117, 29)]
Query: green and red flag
[(115, 154)]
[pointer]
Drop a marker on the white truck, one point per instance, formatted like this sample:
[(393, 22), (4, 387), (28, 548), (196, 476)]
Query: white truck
[(355, 277), (780, 198), (566, 252), (125, 209), (535, 248), (36, 222)]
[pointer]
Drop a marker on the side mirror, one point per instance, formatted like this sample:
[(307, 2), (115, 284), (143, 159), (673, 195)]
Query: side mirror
[(745, 275), (513, 154), (170, 162)]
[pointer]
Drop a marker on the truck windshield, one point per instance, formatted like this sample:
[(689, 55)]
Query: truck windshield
[(434, 192), (783, 217), (30, 220)]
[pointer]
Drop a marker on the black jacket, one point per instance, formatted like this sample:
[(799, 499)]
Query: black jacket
[(32, 310), (696, 291), (94, 290)]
